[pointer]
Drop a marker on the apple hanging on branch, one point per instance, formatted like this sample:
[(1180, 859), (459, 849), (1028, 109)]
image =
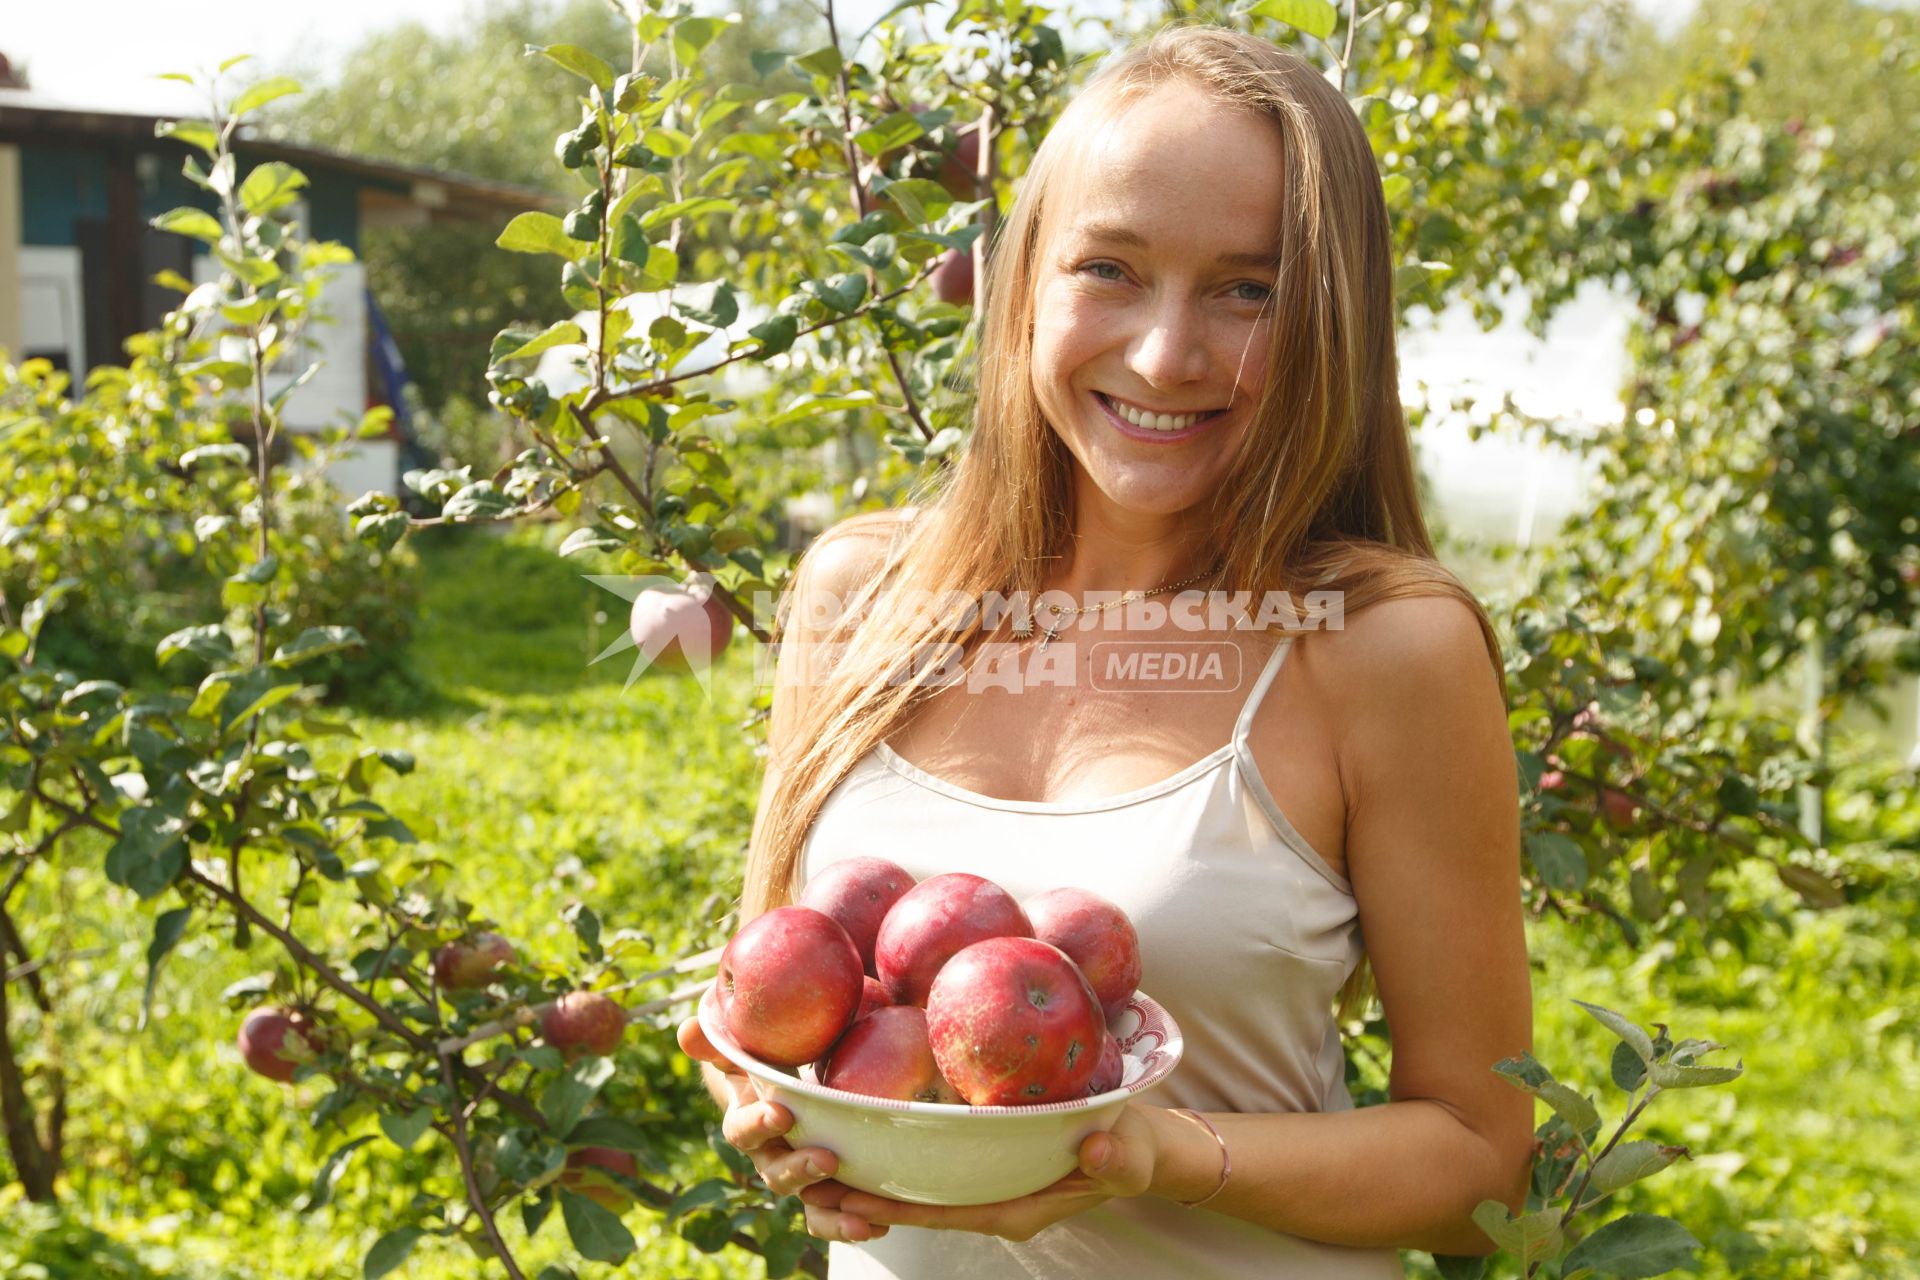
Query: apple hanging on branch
[(276, 1041), (680, 629)]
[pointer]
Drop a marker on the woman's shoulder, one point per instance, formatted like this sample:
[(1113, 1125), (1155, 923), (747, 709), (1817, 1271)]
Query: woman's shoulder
[(843, 557), (840, 562), (1402, 647)]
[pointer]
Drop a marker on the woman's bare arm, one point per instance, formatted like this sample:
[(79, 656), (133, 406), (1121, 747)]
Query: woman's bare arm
[(1433, 853)]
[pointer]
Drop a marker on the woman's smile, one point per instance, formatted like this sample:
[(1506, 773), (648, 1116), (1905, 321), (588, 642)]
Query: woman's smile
[(1155, 428)]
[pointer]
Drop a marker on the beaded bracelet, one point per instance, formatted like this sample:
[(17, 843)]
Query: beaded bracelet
[(1226, 1161)]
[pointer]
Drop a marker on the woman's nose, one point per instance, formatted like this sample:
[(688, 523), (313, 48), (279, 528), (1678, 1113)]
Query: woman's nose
[(1172, 350)]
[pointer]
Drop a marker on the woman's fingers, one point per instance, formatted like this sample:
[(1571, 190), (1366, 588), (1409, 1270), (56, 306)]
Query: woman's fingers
[(750, 1125), (827, 1221), (789, 1172), (694, 1043)]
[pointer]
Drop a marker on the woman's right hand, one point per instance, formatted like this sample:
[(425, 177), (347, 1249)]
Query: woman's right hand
[(759, 1127)]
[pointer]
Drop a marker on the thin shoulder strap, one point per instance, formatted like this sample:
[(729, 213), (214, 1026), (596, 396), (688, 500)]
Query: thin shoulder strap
[(1244, 725)]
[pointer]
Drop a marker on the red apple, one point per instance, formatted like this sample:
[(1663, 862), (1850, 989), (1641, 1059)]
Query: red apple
[(1096, 935), (471, 963), (275, 1041), (857, 893), (1013, 1021), (1618, 808), (953, 278), (960, 171), (1109, 1071), (872, 996), (605, 1192), (887, 1055), (584, 1022), (790, 982), (934, 919), (680, 629)]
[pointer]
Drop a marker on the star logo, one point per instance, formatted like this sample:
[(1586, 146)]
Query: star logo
[(674, 626)]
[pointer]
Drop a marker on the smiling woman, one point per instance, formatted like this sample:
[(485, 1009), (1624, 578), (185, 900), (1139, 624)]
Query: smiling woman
[(1187, 376)]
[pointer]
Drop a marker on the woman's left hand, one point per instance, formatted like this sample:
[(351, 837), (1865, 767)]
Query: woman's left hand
[(1119, 1162)]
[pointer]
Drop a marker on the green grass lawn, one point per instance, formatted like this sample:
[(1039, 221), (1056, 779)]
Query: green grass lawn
[(542, 782)]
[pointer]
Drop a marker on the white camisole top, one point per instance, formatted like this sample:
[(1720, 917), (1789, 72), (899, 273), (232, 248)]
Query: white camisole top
[(1247, 935)]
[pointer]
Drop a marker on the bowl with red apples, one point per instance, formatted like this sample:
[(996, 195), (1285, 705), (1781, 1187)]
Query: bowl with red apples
[(949, 1043)]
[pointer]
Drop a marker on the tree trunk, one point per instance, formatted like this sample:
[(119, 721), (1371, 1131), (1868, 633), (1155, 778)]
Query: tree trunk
[(35, 1158)]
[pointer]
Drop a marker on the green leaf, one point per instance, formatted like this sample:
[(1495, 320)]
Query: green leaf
[(844, 292), (616, 1132), (478, 501), (1631, 1161), (34, 616), (382, 529), (629, 240), (776, 334), (195, 133), (821, 62), (168, 928), (918, 199), (590, 539), (321, 1192), (266, 91), (1738, 796), (889, 132), (597, 1233), (538, 233), (1628, 1068), (1673, 1075), (692, 35), (1637, 1245), (813, 406), (271, 186), (719, 308), (1395, 185), (588, 66), (315, 642), (556, 335), (1530, 1237), (1557, 860), (1569, 1104), (150, 852), (188, 221), (1314, 17), (702, 1195), (767, 61), (565, 1099), (389, 1251), (227, 452), (694, 208), (405, 1130), (1631, 1035), (1463, 1268)]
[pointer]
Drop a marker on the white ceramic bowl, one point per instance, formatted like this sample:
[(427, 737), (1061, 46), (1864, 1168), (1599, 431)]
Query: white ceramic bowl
[(948, 1153)]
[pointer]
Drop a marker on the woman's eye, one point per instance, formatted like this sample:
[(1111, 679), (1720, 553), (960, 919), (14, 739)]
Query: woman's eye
[(1118, 274), (1263, 291)]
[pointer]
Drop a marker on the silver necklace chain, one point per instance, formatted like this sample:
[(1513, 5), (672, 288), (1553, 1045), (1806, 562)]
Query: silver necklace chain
[(1023, 625)]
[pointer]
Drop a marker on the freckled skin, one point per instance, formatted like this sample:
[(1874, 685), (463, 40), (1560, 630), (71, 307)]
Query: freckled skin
[(1012, 1021), (858, 893), (934, 920), (790, 983)]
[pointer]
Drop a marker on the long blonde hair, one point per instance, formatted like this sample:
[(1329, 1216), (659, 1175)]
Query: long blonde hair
[(1322, 494)]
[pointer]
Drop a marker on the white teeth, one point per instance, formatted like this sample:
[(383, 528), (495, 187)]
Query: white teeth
[(1154, 421)]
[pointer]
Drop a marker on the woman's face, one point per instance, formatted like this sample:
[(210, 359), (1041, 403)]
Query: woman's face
[(1152, 293)]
